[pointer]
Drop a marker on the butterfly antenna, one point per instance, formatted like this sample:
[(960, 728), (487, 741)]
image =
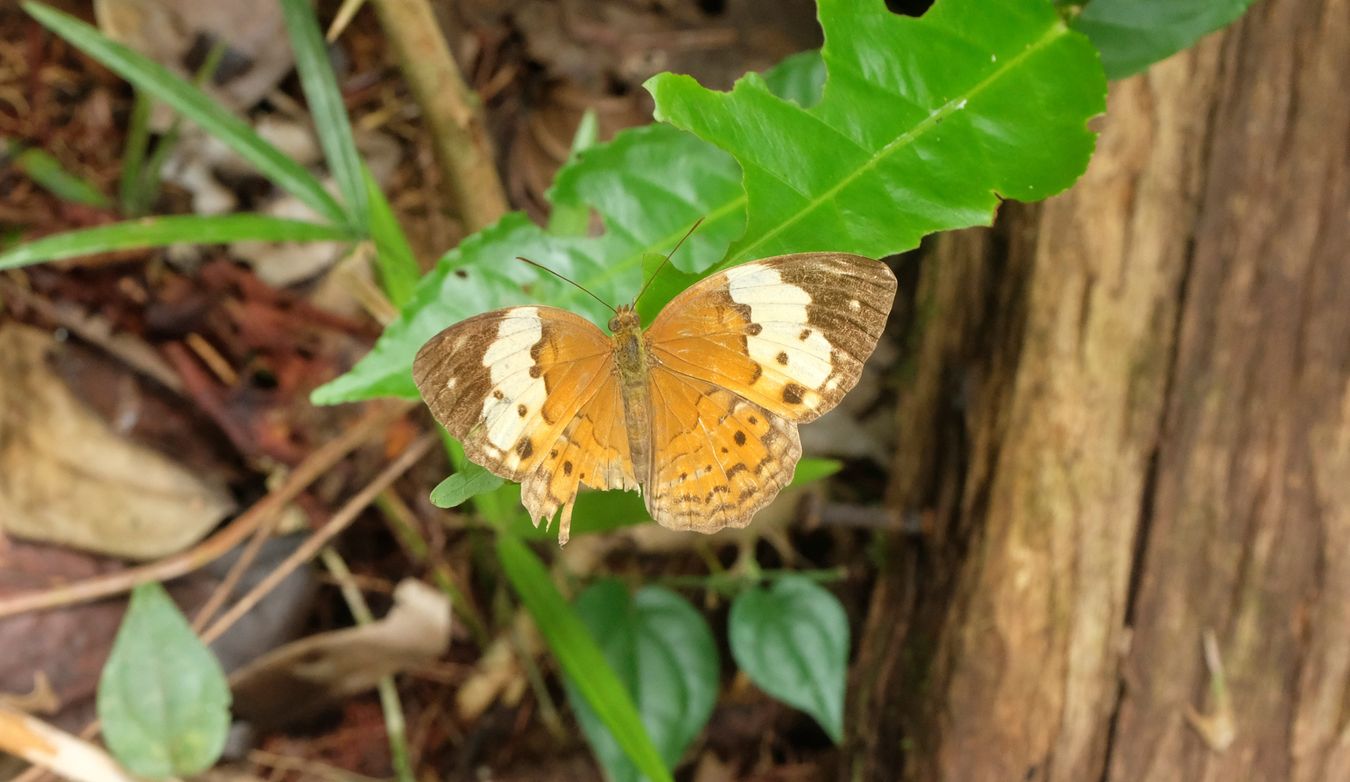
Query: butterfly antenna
[(656, 273), (570, 281)]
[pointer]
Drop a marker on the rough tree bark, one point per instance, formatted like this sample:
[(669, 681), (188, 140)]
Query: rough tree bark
[(1130, 427)]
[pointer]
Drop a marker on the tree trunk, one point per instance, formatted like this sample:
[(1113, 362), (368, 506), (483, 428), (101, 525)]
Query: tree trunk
[(1129, 429)]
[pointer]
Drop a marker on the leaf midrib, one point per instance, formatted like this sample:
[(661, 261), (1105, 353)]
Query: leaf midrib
[(1056, 31)]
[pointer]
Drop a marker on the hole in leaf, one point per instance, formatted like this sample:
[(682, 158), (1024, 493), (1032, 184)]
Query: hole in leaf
[(909, 7)]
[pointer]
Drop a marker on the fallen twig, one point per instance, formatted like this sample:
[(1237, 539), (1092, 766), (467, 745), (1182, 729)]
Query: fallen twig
[(315, 543), (51, 749)]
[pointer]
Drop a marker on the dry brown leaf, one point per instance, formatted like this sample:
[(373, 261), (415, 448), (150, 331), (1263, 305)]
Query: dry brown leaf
[(67, 477), (302, 678)]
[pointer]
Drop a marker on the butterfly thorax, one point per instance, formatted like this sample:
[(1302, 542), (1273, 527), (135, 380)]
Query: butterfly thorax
[(630, 356)]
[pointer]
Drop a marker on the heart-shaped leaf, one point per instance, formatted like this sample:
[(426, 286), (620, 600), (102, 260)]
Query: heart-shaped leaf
[(923, 126), (664, 653), (460, 487), (792, 640), (162, 698)]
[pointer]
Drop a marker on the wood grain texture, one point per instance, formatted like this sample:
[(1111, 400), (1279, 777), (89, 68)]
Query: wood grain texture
[(1130, 425)]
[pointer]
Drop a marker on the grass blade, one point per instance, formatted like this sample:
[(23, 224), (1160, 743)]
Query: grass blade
[(47, 171), (131, 188), (194, 104), (326, 107), (161, 231), (394, 259), (579, 656)]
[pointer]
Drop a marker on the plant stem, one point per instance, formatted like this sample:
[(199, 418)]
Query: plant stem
[(394, 724), (452, 111)]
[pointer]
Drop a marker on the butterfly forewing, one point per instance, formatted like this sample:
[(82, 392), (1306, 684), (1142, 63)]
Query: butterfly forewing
[(789, 333)]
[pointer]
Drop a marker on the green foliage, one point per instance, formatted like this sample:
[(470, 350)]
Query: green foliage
[(394, 259), (154, 81), (923, 126), (47, 172), (163, 699), (463, 485), (580, 658), (159, 82), (163, 231), (665, 655), (792, 640), (1133, 34), (326, 107)]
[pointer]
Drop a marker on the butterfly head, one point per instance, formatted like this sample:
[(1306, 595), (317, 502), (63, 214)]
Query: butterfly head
[(625, 321)]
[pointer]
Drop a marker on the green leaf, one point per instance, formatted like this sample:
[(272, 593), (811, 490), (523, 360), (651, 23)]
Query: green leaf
[(799, 78), (47, 171), (666, 281), (1133, 34), (326, 107), (580, 658), (132, 189), (162, 231), (792, 640), (163, 699), (460, 487), (194, 104), (648, 184), (923, 126), (394, 259), (662, 650), (575, 220)]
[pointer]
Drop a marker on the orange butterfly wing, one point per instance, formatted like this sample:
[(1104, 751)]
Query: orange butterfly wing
[(789, 333), (531, 392), (717, 458), (738, 360)]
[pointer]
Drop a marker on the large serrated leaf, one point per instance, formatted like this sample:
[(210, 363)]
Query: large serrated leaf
[(1133, 34), (162, 698), (664, 653), (792, 640), (923, 126)]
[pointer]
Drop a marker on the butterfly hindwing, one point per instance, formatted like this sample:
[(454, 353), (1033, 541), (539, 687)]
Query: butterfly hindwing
[(789, 333), (522, 386), (717, 458), (593, 449)]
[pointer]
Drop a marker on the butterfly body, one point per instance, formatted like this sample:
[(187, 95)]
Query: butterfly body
[(699, 410), (630, 359)]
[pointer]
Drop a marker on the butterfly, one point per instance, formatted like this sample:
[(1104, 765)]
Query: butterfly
[(698, 411)]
